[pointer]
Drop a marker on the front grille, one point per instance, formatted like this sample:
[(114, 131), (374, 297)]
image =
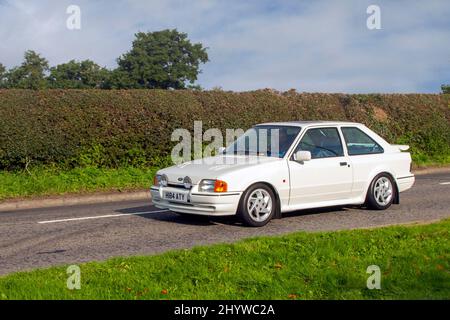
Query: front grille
[(173, 185)]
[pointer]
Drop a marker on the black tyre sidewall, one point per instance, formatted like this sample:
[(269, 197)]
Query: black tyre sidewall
[(243, 212)]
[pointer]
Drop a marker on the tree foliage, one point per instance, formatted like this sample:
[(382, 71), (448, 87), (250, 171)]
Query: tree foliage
[(445, 88), (78, 75), (31, 74), (163, 59), (2, 76), (157, 60)]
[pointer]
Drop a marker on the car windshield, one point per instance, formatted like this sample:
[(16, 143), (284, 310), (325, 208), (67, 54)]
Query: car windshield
[(265, 140)]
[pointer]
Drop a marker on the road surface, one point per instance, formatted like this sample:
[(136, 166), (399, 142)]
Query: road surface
[(38, 238)]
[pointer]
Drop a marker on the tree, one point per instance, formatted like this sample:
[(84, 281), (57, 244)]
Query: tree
[(78, 75), (163, 59), (445, 88), (2, 76), (31, 74)]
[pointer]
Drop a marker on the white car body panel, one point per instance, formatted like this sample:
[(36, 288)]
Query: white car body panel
[(316, 183)]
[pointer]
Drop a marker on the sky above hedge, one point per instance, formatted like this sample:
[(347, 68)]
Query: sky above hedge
[(314, 46)]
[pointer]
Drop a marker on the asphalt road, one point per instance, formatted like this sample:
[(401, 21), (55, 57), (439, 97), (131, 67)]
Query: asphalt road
[(69, 235)]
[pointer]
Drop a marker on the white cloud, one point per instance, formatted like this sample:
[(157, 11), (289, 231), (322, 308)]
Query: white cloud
[(310, 46)]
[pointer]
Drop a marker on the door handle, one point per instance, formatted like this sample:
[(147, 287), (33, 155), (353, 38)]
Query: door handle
[(343, 164)]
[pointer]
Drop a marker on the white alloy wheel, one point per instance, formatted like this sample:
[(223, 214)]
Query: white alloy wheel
[(383, 191), (259, 205)]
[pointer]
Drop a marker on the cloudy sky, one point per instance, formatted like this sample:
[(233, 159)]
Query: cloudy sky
[(313, 46)]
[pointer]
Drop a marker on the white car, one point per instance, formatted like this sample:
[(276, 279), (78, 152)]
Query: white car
[(315, 164)]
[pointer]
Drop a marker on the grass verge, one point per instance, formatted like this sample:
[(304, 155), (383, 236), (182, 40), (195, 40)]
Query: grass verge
[(414, 263), (45, 181), (424, 161)]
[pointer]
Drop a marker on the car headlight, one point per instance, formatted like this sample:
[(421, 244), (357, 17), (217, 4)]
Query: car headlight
[(160, 180), (208, 185)]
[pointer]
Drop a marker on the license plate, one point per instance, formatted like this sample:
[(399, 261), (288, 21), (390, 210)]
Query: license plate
[(175, 196)]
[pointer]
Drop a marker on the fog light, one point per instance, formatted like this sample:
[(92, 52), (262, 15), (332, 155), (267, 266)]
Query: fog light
[(187, 182), (160, 180)]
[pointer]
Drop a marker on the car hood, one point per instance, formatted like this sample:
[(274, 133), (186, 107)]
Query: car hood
[(213, 167)]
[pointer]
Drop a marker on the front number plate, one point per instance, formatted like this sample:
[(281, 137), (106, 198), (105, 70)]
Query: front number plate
[(175, 196)]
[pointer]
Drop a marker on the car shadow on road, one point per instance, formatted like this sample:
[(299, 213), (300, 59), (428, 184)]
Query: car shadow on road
[(307, 212), (187, 219), (198, 220)]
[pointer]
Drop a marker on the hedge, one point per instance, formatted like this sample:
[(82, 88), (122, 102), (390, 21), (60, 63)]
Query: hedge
[(71, 128)]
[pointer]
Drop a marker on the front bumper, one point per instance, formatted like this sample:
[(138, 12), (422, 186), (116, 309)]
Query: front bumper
[(205, 203)]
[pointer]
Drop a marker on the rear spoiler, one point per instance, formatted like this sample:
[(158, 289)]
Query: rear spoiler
[(401, 147)]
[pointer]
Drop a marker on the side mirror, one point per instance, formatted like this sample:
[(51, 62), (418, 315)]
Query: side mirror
[(301, 156), (221, 150)]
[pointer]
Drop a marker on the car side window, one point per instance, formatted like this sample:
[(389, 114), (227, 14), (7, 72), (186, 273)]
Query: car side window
[(322, 143), (359, 143)]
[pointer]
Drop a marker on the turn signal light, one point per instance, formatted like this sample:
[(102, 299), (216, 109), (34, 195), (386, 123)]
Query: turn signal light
[(220, 186)]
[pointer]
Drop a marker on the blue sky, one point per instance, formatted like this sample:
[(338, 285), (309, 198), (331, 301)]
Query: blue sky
[(312, 46)]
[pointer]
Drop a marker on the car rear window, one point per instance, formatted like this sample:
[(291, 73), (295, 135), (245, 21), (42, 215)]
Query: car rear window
[(359, 143)]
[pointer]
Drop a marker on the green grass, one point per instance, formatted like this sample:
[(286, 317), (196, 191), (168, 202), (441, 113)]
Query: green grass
[(414, 262), (421, 160), (45, 181)]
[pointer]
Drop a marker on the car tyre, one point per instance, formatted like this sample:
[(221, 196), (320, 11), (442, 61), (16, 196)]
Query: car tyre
[(257, 206), (381, 193)]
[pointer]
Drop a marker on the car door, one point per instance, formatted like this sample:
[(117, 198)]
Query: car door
[(327, 176)]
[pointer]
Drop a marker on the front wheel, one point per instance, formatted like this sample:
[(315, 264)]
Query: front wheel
[(257, 206), (381, 192)]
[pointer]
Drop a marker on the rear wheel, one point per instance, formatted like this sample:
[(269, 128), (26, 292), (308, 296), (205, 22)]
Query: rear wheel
[(381, 192), (257, 206)]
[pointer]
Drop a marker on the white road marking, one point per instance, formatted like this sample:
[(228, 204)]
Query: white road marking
[(444, 183), (100, 217)]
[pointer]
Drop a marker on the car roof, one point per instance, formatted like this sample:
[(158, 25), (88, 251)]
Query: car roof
[(308, 123)]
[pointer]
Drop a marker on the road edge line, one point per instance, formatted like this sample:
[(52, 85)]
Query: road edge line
[(71, 200)]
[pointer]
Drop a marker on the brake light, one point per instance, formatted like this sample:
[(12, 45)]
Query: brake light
[(220, 186)]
